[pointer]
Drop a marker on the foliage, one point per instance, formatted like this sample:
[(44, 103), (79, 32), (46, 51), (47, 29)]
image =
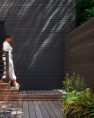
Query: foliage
[(79, 100), (73, 82), (85, 10), (79, 103)]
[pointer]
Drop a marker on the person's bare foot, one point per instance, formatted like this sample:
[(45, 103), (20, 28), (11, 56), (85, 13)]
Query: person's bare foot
[(15, 84)]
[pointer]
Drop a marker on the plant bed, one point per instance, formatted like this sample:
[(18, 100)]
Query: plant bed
[(78, 100), (79, 104)]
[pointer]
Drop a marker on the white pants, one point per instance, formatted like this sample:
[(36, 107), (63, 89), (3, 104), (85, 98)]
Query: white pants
[(10, 70)]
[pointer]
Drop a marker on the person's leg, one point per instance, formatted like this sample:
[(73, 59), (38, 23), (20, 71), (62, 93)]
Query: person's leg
[(12, 75)]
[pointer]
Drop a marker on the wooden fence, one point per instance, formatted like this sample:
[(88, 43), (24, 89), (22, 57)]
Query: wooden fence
[(79, 52)]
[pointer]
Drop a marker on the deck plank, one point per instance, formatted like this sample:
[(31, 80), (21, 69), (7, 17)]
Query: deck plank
[(59, 106), (37, 110), (32, 109), (8, 109), (43, 110), (3, 106), (57, 112), (32, 113), (49, 109), (56, 92), (25, 109), (19, 110), (51, 92), (13, 112)]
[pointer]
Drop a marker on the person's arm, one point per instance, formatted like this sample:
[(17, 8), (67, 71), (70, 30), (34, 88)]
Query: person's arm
[(6, 49)]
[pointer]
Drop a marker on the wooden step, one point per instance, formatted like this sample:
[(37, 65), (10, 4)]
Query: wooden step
[(15, 97), (8, 90), (4, 86), (40, 97), (8, 93)]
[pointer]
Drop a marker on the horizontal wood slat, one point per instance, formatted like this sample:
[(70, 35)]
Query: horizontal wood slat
[(79, 52)]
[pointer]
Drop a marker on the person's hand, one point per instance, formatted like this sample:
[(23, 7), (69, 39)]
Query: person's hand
[(12, 50)]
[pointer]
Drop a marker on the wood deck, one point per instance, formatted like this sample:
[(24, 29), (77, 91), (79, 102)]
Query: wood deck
[(30, 104), (31, 109)]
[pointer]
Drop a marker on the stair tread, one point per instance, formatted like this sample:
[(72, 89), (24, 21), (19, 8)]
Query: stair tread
[(2, 90), (4, 84), (14, 94)]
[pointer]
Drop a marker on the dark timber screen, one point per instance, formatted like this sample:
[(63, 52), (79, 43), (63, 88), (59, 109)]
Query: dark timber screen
[(79, 52), (39, 27)]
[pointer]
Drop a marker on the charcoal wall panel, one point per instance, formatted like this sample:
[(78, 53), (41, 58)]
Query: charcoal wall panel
[(79, 52), (39, 28)]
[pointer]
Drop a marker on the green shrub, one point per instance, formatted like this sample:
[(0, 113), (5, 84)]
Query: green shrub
[(79, 103), (79, 100), (73, 82)]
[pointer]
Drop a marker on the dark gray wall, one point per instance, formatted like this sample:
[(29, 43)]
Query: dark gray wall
[(2, 34), (39, 27), (79, 52)]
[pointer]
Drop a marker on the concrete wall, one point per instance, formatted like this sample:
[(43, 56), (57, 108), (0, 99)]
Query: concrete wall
[(79, 52)]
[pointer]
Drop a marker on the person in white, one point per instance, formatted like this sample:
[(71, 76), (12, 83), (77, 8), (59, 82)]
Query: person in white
[(8, 48)]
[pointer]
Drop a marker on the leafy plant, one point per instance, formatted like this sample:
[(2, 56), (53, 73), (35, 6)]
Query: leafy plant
[(73, 82), (85, 10), (79, 103)]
